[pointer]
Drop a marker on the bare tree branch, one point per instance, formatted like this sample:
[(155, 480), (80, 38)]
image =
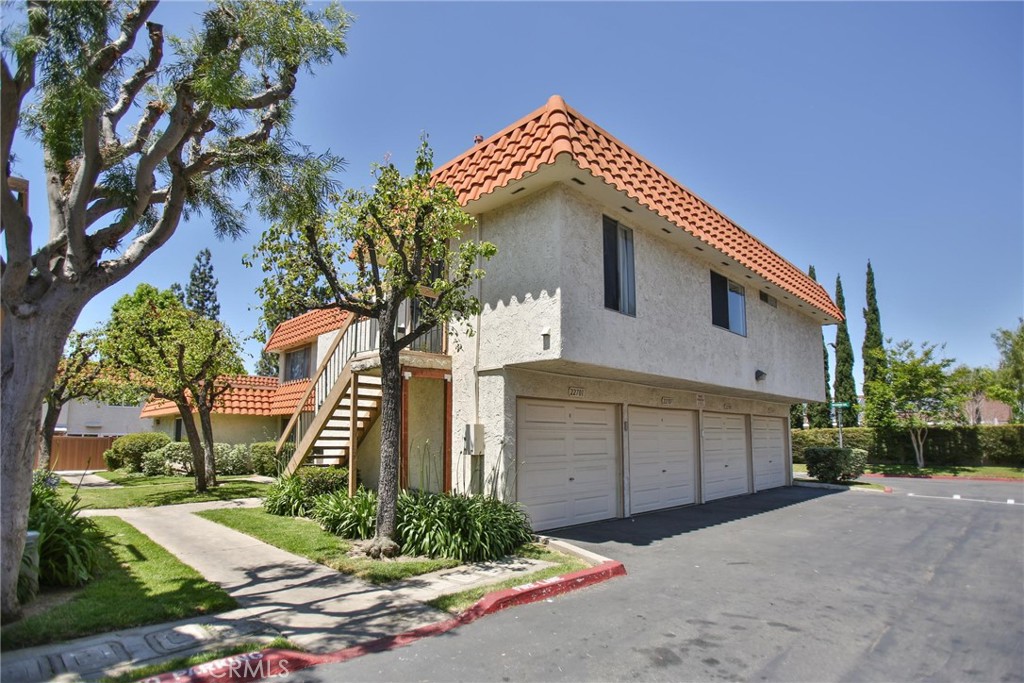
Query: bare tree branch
[(131, 87)]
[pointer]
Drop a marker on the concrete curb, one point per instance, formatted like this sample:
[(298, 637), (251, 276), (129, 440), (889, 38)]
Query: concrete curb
[(272, 662), (838, 487)]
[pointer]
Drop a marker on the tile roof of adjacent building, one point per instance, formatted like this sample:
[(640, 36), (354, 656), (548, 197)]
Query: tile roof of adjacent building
[(304, 328), (248, 395), (555, 129)]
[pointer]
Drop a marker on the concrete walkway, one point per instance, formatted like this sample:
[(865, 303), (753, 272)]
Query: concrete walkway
[(278, 593)]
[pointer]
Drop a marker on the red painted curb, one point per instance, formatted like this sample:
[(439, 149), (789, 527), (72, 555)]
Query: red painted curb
[(254, 666), (966, 477)]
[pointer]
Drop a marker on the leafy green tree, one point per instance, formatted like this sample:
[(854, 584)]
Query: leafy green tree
[(977, 384), (796, 415), (916, 391), (80, 374), (201, 293), (402, 241), (1009, 379), (818, 415), (173, 353), (213, 122), (845, 386), (873, 340)]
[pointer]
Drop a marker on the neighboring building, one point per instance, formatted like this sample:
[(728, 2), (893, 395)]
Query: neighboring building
[(987, 411), (82, 417), (248, 411), (637, 350)]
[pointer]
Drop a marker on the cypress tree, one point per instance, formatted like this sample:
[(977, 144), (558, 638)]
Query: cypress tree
[(818, 413), (201, 293), (873, 348), (845, 388)]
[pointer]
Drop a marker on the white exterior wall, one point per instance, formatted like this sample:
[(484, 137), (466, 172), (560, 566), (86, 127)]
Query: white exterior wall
[(231, 429), (672, 334), (79, 417)]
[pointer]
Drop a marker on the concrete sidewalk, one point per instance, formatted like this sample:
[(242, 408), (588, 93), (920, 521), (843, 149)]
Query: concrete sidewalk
[(278, 593)]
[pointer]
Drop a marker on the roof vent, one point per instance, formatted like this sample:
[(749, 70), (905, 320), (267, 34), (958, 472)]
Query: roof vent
[(477, 139)]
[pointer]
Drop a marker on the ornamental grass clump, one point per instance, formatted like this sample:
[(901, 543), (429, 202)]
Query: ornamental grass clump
[(69, 545), (285, 497), (460, 527), (348, 517)]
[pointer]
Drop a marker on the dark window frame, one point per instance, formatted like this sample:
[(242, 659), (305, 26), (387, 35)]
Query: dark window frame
[(619, 267), (289, 372), (724, 296)]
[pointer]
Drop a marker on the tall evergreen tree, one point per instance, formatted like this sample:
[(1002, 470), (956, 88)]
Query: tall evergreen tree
[(845, 388), (796, 415), (818, 413), (873, 349), (201, 293)]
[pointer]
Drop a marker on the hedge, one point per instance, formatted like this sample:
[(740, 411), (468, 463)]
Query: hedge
[(127, 451), (994, 445)]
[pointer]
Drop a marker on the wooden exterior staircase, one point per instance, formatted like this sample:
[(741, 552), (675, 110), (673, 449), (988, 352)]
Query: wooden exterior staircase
[(341, 405)]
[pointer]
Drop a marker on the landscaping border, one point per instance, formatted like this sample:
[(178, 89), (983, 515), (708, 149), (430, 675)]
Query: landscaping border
[(253, 666)]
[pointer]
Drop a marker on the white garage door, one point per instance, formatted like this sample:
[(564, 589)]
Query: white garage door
[(568, 456), (724, 464), (661, 458), (768, 445)]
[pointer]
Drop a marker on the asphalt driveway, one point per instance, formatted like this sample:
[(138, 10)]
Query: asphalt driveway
[(794, 584)]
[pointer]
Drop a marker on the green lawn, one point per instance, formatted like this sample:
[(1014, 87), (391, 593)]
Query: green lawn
[(305, 537), (458, 602), (950, 470), (183, 663), (139, 491), (139, 583)]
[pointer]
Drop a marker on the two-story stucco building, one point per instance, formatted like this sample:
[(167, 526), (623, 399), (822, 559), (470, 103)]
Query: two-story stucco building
[(636, 350)]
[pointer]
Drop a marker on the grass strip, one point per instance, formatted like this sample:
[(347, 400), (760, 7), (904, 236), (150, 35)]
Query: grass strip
[(304, 537), (154, 494), (183, 663), (564, 564), (138, 583)]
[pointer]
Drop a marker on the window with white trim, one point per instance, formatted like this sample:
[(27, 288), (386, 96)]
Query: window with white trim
[(728, 305), (619, 275)]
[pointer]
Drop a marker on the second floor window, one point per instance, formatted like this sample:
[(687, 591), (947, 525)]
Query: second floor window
[(296, 364), (728, 305), (619, 276)]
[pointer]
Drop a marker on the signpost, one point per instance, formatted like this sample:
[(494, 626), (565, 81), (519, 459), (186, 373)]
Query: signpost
[(838, 407)]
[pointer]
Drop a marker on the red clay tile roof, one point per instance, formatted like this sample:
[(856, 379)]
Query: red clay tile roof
[(305, 328), (287, 397), (556, 129), (248, 395)]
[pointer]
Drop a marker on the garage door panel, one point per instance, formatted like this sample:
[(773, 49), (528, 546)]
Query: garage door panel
[(568, 462), (661, 458), (768, 446), (725, 471)]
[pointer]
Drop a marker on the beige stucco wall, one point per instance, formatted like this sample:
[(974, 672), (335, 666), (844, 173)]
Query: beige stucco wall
[(548, 275), (229, 428)]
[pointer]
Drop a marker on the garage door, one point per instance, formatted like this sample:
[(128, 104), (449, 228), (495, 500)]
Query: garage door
[(768, 445), (724, 464), (568, 455), (661, 458)]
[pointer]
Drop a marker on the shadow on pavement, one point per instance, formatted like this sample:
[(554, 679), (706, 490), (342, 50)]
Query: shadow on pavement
[(647, 528)]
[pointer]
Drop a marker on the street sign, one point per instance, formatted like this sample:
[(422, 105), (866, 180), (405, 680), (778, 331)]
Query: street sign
[(840, 405)]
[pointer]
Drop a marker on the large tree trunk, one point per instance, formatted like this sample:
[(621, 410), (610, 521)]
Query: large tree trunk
[(188, 422), (390, 452), (50, 419), (208, 455), (31, 349)]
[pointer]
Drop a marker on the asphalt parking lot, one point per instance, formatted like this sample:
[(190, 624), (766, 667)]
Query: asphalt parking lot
[(794, 584)]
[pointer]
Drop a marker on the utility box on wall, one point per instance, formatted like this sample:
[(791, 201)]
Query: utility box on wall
[(474, 440)]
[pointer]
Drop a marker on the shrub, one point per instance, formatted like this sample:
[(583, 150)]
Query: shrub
[(317, 481), (69, 545), (835, 464), (285, 497), (127, 450), (177, 458), (233, 459), (354, 517), (460, 527), (264, 462), (154, 464)]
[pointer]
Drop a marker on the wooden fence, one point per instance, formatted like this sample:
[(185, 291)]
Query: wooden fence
[(79, 452)]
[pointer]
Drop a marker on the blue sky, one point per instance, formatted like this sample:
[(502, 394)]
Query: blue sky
[(834, 132)]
